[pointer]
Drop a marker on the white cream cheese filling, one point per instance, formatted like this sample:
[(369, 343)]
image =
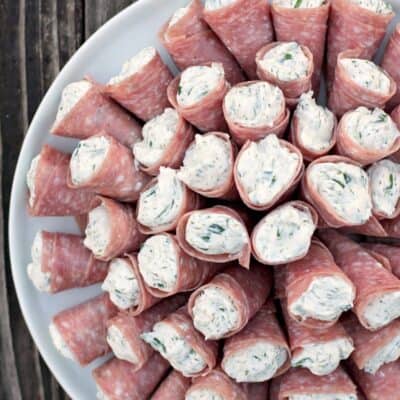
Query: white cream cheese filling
[(161, 203), (299, 3), (173, 347), (134, 65), (157, 135), (41, 279), (120, 346), (203, 394), (158, 263), (389, 353), (214, 313), (59, 342), (324, 396), (121, 284), (256, 363), (265, 169), (207, 163), (215, 233), (31, 178), (98, 230), (383, 310), (216, 4), (376, 6), (325, 299)]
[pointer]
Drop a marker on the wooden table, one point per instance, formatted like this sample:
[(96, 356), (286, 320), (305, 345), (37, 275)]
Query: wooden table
[(37, 37)]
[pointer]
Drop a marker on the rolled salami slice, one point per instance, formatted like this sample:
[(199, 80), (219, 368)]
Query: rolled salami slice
[(79, 333), (217, 385), (359, 82), (49, 194), (166, 269), (112, 229), (299, 383), (124, 330), (284, 235), (163, 201), (141, 85), (105, 166), (389, 252), (267, 172), (190, 41), (208, 166), (384, 385), (306, 23), (165, 140), (373, 349), (391, 54), (373, 227), (176, 339), (224, 306), (355, 23), (197, 95), (289, 66), (60, 261), (265, 111), (378, 290), (259, 352), (317, 290), (119, 380), (217, 234), (126, 287), (313, 128), (318, 350), (367, 136), (339, 190), (173, 387), (384, 176), (85, 111), (244, 26)]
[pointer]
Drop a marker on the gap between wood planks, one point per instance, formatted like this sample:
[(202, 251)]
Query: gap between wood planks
[(37, 37)]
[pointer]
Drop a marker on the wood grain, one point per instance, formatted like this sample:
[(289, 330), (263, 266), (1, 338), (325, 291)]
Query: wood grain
[(37, 37)]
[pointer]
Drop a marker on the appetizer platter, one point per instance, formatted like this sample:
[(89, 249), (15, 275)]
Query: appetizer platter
[(207, 205)]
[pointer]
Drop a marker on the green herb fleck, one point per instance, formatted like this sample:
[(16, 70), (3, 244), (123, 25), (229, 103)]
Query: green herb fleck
[(338, 182), (288, 56), (179, 89), (382, 118), (157, 343), (347, 178), (298, 3), (391, 182), (215, 228)]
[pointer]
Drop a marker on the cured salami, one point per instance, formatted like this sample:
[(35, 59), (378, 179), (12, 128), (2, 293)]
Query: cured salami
[(85, 111), (373, 349), (176, 339), (289, 66), (60, 261), (318, 350), (259, 352), (378, 290), (124, 330), (244, 26), (166, 269), (390, 252), (339, 190), (367, 136), (105, 166), (392, 53), (79, 332), (218, 385), (359, 82), (265, 111), (208, 166), (392, 227), (112, 229), (163, 201), (223, 307), (384, 385), (165, 140), (141, 85), (173, 387), (190, 41), (197, 95), (373, 227), (49, 194), (307, 25), (317, 290), (119, 380), (284, 235), (353, 25), (313, 128), (217, 234), (301, 382), (267, 172)]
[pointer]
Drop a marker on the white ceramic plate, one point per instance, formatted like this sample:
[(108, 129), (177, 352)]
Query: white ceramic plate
[(101, 57)]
